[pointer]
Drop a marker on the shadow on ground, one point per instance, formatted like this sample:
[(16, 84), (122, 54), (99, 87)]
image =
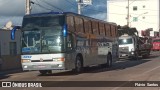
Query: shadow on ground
[(7, 73), (119, 65), (4, 76)]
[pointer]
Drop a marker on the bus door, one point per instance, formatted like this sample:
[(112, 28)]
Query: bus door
[(70, 51)]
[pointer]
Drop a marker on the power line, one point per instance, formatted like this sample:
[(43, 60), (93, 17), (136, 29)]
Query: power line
[(96, 10), (70, 2), (130, 14), (41, 5), (84, 8), (139, 9), (117, 13), (36, 9), (146, 22), (52, 5), (132, 2)]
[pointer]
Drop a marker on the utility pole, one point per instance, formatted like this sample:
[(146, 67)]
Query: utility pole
[(128, 14), (83, 3), (28, 7), (79, 6)]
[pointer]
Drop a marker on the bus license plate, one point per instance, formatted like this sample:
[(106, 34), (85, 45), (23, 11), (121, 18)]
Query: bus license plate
[(40, 66), (123, 55)]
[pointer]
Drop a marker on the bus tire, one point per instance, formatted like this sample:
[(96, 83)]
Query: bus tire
[(78, 64), (109, 60), (43, 72)]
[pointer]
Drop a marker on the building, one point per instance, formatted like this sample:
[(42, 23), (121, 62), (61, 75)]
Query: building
[(143, 14), (9, 50)]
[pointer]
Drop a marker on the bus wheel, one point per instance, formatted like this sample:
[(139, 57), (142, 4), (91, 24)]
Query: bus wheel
[(109, 60), (43, 72), (78, 64)]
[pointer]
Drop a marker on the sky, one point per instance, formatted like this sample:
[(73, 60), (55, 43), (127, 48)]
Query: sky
[(14, 10)]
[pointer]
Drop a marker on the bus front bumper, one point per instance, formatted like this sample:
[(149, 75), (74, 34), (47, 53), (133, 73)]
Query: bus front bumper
[(43, 66)]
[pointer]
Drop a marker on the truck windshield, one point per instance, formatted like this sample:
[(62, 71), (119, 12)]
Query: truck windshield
[(125, 41), (42, 38)]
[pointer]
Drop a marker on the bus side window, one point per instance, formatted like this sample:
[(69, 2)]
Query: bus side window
[(69, 42)]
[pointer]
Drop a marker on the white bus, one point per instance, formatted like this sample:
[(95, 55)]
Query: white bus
[(66, 41)]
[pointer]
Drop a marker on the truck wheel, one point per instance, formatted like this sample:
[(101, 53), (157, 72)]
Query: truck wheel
[(43, 72), (78, 65), (109, 60), (135, 57), (146, 55)]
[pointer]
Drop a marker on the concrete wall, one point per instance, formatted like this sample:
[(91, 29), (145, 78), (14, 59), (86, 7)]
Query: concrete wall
[(9, 61)]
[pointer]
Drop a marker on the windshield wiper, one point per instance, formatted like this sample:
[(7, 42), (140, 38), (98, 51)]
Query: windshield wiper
[(23, 41)]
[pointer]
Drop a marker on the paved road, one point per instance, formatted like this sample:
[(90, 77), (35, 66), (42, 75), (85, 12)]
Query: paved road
[(124, 70)]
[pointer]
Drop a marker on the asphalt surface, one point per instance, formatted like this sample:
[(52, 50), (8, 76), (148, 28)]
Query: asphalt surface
[(123, 70)]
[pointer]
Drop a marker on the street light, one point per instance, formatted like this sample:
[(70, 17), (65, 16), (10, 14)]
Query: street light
[(142, 14)]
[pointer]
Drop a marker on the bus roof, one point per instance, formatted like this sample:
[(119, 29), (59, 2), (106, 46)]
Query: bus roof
[(65, 13), (46, 13)]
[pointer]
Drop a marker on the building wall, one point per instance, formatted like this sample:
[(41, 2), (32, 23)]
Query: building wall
[(147, 13), (9, 55)]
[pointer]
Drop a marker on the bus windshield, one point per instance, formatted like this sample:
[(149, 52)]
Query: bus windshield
[(38, 37), (125, 41)]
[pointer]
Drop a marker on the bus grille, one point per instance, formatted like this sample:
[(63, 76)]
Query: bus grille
[(41, 60)]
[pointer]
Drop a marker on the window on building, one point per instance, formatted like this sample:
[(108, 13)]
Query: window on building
[(13, 48), (135, 19), (143, 17), (134, 8), (144, 6)]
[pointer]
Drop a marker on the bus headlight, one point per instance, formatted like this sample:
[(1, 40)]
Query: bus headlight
[(59, 59), (25, 61), (25, 66)]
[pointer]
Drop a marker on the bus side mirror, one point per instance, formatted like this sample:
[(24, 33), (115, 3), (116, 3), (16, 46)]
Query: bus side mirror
[(13, 32)]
